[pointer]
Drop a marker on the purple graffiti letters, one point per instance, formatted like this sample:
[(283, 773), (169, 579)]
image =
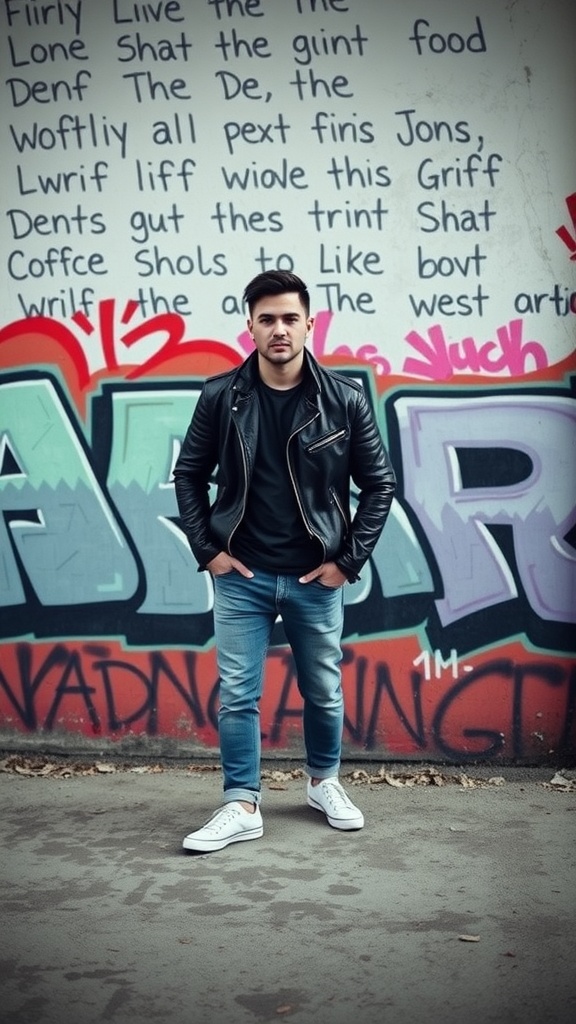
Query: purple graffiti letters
[(457, 513)]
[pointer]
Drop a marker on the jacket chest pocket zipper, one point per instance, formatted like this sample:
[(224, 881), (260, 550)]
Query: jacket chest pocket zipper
[(325, 441)]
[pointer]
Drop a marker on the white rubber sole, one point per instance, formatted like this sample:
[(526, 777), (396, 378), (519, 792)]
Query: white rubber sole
[(208, 845), (343, 824)]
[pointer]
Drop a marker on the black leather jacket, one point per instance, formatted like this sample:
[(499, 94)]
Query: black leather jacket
[(334, 440)]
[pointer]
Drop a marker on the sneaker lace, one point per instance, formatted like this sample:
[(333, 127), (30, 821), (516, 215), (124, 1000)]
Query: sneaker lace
[(221, 818), (336, 795)]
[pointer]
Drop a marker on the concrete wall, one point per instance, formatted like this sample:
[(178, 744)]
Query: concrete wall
[(415, 164)]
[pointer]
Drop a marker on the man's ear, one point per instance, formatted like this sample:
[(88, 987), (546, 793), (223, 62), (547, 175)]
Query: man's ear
[(309, 324)]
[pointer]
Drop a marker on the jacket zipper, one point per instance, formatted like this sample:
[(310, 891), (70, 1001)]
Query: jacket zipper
[(245, 467), (299, 503), (325, 441)]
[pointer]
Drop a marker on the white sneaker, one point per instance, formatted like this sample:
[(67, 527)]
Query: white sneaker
[(231, 823), (330, 798)]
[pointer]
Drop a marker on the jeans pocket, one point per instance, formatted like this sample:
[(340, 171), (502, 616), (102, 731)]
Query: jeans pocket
[(325, 586)]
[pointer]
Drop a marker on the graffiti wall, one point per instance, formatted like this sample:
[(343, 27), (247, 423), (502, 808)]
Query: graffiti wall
[(415, 164)]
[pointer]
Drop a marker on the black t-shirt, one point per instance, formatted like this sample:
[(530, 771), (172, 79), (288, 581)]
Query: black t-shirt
[(272, 535)]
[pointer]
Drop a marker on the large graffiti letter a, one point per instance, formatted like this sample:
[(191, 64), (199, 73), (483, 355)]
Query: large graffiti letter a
[(57, 530)]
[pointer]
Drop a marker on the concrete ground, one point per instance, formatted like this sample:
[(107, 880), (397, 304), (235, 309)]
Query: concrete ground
[(455, 904)]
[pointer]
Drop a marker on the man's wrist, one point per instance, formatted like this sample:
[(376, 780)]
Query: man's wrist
[(350, 576)]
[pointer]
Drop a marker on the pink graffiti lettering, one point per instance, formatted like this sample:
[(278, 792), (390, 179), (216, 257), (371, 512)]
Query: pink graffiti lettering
[(318, 345), (441, 359)]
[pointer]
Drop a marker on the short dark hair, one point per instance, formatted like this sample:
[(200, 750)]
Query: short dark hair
[(275, 282)]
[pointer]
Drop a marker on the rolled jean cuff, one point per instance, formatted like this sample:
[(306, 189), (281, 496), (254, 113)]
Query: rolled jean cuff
[(250, 796), (322, 773)]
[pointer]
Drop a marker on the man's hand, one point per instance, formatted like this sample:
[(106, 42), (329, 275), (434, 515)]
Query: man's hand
[(328, 574), (224, 563)]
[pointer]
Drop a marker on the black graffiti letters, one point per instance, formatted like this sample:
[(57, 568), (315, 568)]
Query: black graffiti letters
[(23, 92), (429, 41), (255, 133), (322, 44), (151, 12), (45, 53), (93, 689), (430, 131)]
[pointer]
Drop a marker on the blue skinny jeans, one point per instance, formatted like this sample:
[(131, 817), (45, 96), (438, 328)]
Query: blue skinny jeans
[(245, 611)]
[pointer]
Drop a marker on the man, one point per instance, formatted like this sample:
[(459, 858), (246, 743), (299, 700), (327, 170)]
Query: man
[(286, 436)]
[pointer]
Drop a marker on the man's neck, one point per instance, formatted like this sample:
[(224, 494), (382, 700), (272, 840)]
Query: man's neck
[(281, 377)]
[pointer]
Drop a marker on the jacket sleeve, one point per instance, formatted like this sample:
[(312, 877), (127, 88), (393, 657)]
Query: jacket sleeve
[(192, 473), (372, 474)]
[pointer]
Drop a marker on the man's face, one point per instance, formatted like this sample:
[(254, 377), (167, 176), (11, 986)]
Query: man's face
[(279, 326)]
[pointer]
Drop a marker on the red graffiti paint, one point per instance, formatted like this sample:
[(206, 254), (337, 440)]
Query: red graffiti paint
[(508, 704), (564, 233), (169, 328), (42, 341)]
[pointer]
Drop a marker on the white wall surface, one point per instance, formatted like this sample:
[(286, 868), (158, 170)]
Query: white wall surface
[(412, 182)]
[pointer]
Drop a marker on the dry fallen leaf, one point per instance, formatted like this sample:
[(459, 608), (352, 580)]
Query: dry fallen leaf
[(429, 776), (280, 776), (469, 938), (561, 783), (392, 781), (38, 766), (467, 783)]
